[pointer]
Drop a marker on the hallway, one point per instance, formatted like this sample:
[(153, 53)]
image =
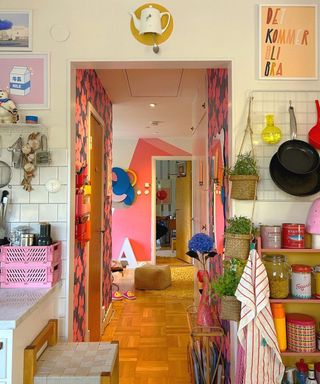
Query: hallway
[(153, 337)]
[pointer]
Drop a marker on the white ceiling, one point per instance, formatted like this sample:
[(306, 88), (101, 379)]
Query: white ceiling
[(132, 90)]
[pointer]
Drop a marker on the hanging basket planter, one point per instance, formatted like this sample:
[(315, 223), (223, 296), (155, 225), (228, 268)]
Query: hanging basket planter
[(237, 246), (230, 308), (243, 186)]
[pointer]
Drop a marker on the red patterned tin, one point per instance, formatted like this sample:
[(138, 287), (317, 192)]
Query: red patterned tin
[(293, 235), (301, 332)]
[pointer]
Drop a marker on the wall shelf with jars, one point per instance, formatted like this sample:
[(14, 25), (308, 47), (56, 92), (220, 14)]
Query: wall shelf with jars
[(282, 291)]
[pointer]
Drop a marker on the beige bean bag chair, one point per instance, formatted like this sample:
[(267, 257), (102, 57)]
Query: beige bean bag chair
[(152, 277)]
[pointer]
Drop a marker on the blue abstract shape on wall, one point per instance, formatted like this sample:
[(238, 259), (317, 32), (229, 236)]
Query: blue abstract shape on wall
[(121, 185)]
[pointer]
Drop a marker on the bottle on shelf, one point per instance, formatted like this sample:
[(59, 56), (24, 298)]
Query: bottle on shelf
[(311, 375), (45, 234), (279, 318), (302, 372)]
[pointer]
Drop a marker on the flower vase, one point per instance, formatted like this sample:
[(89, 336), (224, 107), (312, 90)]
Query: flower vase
[(204, 315)]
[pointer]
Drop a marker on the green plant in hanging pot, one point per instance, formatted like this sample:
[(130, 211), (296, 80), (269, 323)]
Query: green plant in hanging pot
[(244, 176), (238, 234), (225, 287)]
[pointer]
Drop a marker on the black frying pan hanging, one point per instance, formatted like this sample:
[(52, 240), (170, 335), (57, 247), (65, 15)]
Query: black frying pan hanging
[(297, 156), (292, 183)]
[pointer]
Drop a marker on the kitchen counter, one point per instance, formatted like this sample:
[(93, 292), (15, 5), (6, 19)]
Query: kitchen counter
[(17, 303)]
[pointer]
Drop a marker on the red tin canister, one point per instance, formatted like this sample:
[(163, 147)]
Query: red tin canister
[(301, 332), (293, 235)]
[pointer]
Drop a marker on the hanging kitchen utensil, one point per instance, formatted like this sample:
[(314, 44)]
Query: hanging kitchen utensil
[(15, 149), (297, 156), (314, 133), (292, 183), (5, 174), (43, 156)]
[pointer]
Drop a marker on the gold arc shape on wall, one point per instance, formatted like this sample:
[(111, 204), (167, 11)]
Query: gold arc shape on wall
[(147, 38)]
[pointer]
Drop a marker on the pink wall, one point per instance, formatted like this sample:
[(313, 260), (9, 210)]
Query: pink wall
[(134, 222)]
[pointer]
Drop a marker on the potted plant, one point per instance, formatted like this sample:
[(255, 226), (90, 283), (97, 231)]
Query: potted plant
[(244, 177), (201, 248), (238, 234), (225, 287)]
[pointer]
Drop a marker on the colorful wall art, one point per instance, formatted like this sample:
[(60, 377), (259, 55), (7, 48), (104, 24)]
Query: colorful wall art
[(123, 182), (288, 42)]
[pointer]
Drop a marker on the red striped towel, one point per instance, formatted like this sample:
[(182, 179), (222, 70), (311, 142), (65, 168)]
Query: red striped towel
[(256, 331)]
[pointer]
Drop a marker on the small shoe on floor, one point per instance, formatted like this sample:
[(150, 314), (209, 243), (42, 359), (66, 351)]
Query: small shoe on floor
[(116, 296), (129, 295)]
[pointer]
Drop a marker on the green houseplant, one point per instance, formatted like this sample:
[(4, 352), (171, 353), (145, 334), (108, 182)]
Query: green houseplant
[(225, 287), (244, 176), (238, 234)]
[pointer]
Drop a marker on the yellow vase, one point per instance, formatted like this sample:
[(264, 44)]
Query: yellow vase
[(271, 134)]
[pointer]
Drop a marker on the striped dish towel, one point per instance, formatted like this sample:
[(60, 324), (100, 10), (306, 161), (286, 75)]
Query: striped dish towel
[(256, 331)]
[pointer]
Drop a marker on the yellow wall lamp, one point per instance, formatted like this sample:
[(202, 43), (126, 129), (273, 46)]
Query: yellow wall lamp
[(151, 24)]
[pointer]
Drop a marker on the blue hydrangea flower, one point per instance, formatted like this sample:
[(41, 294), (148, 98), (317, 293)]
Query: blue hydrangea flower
[(201, 242)]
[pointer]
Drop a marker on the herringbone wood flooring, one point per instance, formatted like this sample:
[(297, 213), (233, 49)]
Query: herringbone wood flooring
[(153, 337)]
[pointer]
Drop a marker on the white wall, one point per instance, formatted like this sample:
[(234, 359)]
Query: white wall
[(99, 30)]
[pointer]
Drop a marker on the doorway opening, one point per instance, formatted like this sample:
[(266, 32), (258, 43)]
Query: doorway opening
[(169, 132), (173, 210)]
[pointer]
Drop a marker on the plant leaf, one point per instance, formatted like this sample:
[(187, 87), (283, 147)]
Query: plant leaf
[(193, 254)]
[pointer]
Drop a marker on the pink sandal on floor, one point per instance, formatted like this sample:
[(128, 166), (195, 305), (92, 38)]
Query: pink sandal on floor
[(129, 295), (117, 296)]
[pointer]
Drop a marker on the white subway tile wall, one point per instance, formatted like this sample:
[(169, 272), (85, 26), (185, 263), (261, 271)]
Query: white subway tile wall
[(30, 208), (277, 103)]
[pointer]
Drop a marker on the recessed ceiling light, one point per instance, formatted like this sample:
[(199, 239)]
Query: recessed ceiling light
[(155, 133), (152, 105)]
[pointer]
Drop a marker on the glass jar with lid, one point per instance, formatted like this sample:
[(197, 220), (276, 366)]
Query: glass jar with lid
[(278, 271)]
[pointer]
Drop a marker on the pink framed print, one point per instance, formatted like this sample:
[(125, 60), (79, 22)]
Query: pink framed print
[(26, 78), (288, 42), (15, 30)]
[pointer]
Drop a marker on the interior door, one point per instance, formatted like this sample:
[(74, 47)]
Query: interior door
[(95, 244), (183, 213)]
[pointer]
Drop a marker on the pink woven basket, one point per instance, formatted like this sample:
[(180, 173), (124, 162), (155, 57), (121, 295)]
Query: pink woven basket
[(29, 276), (34, 254)]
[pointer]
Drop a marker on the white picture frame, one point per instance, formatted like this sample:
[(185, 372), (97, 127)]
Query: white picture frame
[(288, 42), (26, 77), (15, 30)]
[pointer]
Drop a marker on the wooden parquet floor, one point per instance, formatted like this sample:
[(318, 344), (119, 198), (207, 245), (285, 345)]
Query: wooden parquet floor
[(153, 337)]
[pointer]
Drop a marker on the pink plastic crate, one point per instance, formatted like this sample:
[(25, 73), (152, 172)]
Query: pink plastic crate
[(27, 276), (33, 254)]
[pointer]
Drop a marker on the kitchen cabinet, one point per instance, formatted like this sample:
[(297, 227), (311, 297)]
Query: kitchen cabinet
[(24, 312), (309, 307)]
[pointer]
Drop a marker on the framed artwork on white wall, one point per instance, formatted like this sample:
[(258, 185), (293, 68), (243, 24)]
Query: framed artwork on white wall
[(15, 30), (26, 78), (288, 42)]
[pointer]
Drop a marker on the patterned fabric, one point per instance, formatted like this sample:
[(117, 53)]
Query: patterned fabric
[(90, 89), (218, 132), (256, 330)]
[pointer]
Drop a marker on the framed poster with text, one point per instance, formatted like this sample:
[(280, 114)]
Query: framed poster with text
[(288, 42)]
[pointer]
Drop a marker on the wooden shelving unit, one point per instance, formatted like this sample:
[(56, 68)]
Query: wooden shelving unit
[(294, 305)]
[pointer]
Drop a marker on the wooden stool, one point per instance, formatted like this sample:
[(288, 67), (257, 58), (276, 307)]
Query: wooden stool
[(63, 363), (152, 277)]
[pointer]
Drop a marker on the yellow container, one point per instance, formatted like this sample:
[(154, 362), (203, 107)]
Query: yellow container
[(279, 319)]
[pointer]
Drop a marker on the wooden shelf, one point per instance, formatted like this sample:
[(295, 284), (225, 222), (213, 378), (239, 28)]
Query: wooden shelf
[(291, 300), (290, 250), (300, 354), (22, 128)]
